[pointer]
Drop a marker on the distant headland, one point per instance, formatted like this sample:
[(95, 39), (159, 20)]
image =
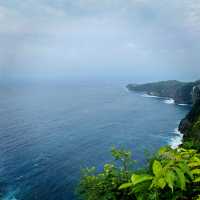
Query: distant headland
[(181, 92)]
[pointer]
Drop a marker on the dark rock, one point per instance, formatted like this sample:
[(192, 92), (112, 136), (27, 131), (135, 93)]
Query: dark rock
[(196, 94), (187, 125)]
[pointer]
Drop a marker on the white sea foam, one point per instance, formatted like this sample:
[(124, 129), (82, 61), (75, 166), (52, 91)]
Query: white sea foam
[(150, 96), (166, 100), (177, 139), (169, 101), (181, 104)]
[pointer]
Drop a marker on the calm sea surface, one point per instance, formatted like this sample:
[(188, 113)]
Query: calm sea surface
[(48, 132)]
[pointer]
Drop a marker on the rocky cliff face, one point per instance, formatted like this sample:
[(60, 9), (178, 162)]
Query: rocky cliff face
[(181, 92), (196, 94), (190, 125)]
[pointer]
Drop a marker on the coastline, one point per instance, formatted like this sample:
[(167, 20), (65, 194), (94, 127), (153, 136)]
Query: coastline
[(167, 100), (177, 139)]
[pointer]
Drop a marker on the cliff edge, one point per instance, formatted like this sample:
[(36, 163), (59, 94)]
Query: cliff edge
[(190, 125)]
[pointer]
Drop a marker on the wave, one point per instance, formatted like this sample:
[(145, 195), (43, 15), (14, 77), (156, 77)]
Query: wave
[(177, 139), (150, 96), (169, 101), (183, 104)]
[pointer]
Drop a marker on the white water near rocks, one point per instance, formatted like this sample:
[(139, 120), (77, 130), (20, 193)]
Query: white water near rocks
[(169, 101), (150, 96), (183, 104), (166, 100), (176, 141)]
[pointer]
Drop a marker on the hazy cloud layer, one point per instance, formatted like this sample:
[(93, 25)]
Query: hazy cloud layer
[(151, 39)]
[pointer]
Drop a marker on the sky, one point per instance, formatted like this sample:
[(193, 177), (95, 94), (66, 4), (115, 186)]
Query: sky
[(139, 40)]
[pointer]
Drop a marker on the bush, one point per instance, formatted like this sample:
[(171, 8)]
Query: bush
[(104, 185), (172, 174), (191, 143), (175, 174)]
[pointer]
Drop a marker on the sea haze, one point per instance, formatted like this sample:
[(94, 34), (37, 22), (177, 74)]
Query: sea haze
[(48, 132)]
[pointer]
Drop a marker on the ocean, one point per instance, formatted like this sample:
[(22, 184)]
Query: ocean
[(49, 132)]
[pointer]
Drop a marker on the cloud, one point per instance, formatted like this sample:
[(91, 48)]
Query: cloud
[(89, 35), (192, 16)]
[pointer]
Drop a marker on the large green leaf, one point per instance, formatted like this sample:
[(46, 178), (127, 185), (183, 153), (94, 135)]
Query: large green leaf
[(185, 169), (157, 168), (125, 186), (170, 178), (181, 178), (136, 179)]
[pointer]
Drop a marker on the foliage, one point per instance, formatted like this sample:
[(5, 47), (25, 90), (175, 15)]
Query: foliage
[(195, 130), (191, 143), (172, 174), (104, 185), (175, 174)]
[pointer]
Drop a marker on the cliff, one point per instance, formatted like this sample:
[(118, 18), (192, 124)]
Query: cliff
[(190, 125), (181, 92)]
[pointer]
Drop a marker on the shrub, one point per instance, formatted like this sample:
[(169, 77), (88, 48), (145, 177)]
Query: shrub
[(172, 174), (175, 174), (104, 185)]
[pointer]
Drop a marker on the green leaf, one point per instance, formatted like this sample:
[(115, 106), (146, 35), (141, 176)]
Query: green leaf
[(157, 168), (170, 178), (125, 186), (196, 180), (194, 164), (195, 171), (140, 178), (140, 197), (161, 183), (181, 178), (185, 169), (141, 187)]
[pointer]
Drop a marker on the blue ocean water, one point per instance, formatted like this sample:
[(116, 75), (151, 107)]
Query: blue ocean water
[(48, 132)]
